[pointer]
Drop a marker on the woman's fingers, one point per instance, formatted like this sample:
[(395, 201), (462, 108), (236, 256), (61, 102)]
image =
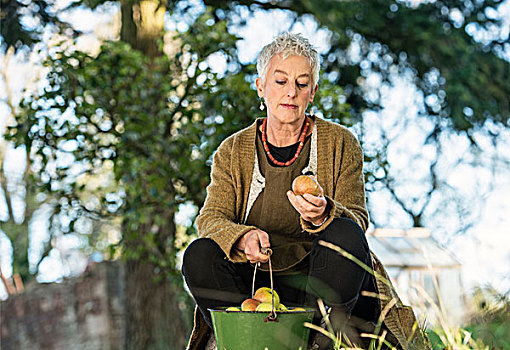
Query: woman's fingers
[(310, 207), (256, 240), (317, 201), (263, 239)]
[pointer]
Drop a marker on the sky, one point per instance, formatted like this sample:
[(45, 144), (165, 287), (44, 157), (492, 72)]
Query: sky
[(483, 249)]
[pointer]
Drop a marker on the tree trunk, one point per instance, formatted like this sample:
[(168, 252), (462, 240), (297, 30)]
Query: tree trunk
[(158, 310), (18, 235), (143, 25), (17, 232)]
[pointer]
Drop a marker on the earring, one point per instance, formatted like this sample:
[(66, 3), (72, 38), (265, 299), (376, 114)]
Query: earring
[(311, 113), (261, 104)]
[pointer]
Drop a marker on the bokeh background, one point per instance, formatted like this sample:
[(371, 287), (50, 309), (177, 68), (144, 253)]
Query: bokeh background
[(110, 112)]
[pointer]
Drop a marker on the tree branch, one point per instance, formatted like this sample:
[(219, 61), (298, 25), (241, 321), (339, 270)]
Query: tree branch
[(3, 184), (294, 6), (8, 285)]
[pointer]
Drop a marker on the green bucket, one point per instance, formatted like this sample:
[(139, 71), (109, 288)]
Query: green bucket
[(250, 330)]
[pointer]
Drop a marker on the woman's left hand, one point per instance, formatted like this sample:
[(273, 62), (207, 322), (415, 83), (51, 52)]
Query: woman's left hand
[(312, 208)]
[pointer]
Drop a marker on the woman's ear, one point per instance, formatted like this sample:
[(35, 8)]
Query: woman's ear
[(313, 92), (260, 87)]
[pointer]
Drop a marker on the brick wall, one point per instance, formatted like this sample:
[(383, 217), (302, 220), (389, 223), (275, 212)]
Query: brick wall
[(80, 313)]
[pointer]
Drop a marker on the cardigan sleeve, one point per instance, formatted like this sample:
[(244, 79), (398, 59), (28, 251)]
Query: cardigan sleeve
[(218, 219), (348, 199)]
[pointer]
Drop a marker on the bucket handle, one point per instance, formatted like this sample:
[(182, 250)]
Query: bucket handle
[(272, 317)]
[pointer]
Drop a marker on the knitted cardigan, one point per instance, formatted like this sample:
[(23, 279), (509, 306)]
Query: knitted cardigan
[(339, 171)]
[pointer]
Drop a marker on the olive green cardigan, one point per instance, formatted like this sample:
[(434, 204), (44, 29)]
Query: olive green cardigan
[(339, 172)]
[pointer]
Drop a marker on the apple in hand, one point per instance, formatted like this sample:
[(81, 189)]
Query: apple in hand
[(306, 184)]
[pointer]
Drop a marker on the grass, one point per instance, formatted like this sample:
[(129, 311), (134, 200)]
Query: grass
[(342, 342), (488, 329)]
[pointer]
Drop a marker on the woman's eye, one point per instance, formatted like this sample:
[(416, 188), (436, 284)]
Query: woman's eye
[(280, 82), (302, 86)]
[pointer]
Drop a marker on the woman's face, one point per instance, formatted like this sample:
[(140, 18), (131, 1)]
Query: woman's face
[(288, 88)]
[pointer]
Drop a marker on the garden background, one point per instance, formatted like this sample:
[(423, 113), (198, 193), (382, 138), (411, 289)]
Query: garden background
[(111, 110)]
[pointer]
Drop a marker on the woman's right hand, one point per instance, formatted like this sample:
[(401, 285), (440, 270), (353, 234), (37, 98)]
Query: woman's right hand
[(251, 244)]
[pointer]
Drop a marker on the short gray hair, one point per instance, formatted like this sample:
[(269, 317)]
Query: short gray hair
[(288, 44)]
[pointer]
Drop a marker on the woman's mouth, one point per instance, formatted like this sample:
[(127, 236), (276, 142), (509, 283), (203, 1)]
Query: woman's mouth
[(288, 106)]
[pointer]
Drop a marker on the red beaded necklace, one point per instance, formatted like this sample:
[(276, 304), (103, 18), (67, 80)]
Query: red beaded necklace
[(300, 147)]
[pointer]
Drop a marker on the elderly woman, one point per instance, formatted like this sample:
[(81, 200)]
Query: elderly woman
[(250, 206)]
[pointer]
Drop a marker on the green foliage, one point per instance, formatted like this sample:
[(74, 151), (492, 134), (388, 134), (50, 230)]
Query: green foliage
[(450, 67), (91, 4), (487, 328), (445, 339), (143, 129), (466, 82), (17, 32), (490, 321), (18, 235), (435, 340)]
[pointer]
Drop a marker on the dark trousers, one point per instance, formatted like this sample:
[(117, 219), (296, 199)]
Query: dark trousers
[(214, 281)]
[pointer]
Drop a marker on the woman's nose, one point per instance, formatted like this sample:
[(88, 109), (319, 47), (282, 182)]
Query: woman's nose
[(291, 90)]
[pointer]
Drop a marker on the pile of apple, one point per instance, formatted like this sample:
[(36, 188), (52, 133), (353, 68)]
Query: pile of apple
[(261, 302)]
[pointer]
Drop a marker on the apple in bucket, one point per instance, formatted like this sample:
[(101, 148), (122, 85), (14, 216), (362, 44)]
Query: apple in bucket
[(250, 304), (262, 302), (263, 295), (264, 307)]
